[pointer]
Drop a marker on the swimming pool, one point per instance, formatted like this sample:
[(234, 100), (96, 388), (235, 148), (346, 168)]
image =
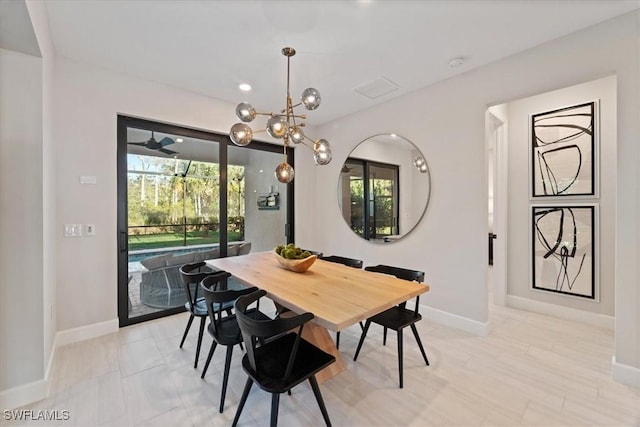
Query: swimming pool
[(137, 256)]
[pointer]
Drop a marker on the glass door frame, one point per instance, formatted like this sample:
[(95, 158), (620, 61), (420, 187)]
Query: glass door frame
[(124, 122), (368, 202)]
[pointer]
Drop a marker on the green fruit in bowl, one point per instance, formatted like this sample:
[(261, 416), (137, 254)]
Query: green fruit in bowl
[(291, 251), (305, 254)]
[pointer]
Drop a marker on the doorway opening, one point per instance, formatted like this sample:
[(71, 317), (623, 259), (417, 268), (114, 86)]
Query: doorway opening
[(496, 141)]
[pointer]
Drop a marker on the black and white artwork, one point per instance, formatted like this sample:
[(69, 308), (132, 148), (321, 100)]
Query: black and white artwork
[(563, 249), (563, 143)]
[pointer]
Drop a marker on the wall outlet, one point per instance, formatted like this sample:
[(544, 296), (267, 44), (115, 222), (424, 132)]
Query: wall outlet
[(90, 230)]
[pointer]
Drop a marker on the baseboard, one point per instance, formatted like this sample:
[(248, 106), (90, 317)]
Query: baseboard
[(52, 357), (625, 374), (23, 394), (453, 320), (37, 390), (594, 319), (69, 336)]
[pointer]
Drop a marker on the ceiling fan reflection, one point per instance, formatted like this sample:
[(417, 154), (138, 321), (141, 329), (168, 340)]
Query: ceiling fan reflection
[(153, 144)]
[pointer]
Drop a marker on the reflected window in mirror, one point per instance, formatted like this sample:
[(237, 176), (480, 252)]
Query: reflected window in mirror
[(371, 197), (384, 188)]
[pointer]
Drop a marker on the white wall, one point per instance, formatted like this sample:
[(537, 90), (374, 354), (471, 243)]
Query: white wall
[(40, 23), (21, 221), (519, 278), (446, 122), (27, 222), (265, 229)]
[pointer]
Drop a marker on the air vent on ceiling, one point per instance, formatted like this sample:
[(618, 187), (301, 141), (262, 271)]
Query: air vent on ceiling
[(377, 88)]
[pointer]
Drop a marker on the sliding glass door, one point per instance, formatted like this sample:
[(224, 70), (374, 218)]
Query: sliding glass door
[(370, 198), (187, 196)]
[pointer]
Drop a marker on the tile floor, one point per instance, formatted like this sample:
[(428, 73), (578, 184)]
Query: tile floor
[(532, 370)]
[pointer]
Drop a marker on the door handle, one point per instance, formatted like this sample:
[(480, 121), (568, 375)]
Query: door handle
[(124, 244)]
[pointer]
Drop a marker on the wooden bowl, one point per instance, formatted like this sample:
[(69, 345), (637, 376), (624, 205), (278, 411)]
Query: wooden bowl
[(297, 265)]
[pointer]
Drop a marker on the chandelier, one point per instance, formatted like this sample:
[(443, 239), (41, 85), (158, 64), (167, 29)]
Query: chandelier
[(421, 164), (285, 125)]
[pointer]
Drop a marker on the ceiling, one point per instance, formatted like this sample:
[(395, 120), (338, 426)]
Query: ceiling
[(209, 47)]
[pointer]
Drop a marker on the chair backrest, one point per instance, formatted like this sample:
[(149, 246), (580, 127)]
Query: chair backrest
[(349, 262), (255, 331), (400, 273), (216, 294), (193, 274), (316, 253)]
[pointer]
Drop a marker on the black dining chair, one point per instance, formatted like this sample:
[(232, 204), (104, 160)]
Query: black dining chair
[(278, 359), (191, 275), (396, 318), (224, 330), (349, 262), (316, 253)]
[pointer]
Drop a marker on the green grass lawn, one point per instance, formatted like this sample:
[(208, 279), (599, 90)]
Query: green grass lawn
[(164, 240)]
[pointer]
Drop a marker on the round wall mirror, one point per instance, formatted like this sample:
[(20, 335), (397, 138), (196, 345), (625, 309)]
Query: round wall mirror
[(384, 188)]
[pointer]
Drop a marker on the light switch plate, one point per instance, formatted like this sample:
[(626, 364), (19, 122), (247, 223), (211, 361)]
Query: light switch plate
[(90, 230), (72, 230)]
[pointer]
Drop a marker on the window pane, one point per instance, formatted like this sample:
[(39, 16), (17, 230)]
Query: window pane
[(173, 205), (383, 184), (352, 194), (257, 201)]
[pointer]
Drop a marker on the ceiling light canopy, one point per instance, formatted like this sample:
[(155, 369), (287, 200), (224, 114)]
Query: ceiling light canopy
[(285, 125)]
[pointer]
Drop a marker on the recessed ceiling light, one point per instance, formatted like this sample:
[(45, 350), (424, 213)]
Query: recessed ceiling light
[(179, 140), (245, 87), (456, 62)]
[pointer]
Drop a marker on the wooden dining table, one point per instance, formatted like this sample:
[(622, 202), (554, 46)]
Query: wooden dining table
[(337, 295)]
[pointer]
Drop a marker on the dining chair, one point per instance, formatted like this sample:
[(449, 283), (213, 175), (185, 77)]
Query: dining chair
[(316, 253), (191, 275), (396, 318), (224, 330), (278, 359), (349, 262)]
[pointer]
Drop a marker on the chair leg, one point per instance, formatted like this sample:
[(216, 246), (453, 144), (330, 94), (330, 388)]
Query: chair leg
[(384, 336), (316, 392), (338, 340), (186, 330), (206, 365), (362, 337), (243, 400), (225, 378), (200, 333), (400, 356), (275, 403), (415, 334)]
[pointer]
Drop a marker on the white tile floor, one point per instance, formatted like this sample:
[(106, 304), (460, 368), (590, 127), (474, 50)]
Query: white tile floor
[(532, 370)]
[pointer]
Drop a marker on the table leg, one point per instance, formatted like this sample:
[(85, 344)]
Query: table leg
[(319, 336)]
